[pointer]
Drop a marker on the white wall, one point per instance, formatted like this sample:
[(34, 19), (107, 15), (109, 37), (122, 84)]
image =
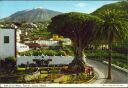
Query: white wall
[(55, 59), (22, 47), (18, 32), (7, 49), (48, 42)]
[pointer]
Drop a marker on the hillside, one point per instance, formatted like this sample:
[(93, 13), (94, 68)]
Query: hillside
[(118, 6)]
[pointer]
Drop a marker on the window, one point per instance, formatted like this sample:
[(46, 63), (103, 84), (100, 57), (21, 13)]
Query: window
[(6, 39)]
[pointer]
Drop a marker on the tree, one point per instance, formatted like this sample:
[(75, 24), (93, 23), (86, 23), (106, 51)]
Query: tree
[(79, 28), (115, 26)]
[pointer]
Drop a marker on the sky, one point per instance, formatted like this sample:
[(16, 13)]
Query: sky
[(9, 7)]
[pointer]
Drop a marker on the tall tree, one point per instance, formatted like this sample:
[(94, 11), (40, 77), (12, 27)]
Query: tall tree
[(79, 27), (115, 26)]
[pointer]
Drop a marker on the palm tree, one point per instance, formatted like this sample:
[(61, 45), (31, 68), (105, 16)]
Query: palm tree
[(114, 28)]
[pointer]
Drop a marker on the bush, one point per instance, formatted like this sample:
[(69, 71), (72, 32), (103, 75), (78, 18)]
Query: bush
[(51, 51), (61, 52), (10, 59), (8, 64), (53, 71)]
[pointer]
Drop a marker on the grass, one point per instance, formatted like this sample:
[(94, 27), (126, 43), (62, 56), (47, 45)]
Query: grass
[(42, 76), (62, 79), (21, 69)]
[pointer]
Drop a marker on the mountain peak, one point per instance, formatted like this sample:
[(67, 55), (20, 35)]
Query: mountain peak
[(32, 15)]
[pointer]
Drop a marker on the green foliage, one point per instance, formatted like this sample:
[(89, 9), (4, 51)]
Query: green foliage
[(11, 59), (9, 64), (115, 25), (55, 50), (50, 53), (54, 71), (40, 31), (63, 53), (76, 26), (35, 30), (79, 27), (117, 58), (121, 7), (96, 54), (21, 69), (42, 76)]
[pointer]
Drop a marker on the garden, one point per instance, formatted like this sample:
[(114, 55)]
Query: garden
[(41, 73)]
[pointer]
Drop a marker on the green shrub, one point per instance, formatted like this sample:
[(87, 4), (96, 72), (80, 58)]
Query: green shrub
[(61, 52), (53, 71), (10, 59), (117, 58), (9, 64), (50, 53)]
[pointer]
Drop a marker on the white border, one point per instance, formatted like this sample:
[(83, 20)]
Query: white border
[(64, 85)]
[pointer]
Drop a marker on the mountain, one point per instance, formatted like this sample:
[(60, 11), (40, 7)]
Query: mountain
[(33, 15)]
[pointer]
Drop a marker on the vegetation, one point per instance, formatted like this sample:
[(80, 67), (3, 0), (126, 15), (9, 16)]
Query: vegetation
[(51, 51), (102, 55), (118, 6), (39, 31), (115, 27), (106, 25), (34, 30), (8, 65), (20, 69), (79, 28), (24, 75)]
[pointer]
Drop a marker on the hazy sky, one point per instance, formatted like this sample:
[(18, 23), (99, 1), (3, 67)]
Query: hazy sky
[(9, 7)]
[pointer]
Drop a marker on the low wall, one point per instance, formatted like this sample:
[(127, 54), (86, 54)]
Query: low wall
[(56, 60)]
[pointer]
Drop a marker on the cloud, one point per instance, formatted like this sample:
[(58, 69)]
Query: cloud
[(39, 7), (80, 5)]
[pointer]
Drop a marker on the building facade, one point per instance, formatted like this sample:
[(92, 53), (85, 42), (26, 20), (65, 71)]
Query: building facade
[(7, 43)]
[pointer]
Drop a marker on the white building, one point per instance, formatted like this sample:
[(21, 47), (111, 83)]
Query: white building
[(67, 41), (48, 42), (7, 43), (22, 47), (18, 33)]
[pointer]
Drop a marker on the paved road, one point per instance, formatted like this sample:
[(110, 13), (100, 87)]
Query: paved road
[(118, 77)]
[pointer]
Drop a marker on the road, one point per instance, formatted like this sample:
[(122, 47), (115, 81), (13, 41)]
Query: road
[(118, 77)]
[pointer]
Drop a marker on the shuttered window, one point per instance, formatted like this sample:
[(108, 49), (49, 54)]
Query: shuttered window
[(6, 39)]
